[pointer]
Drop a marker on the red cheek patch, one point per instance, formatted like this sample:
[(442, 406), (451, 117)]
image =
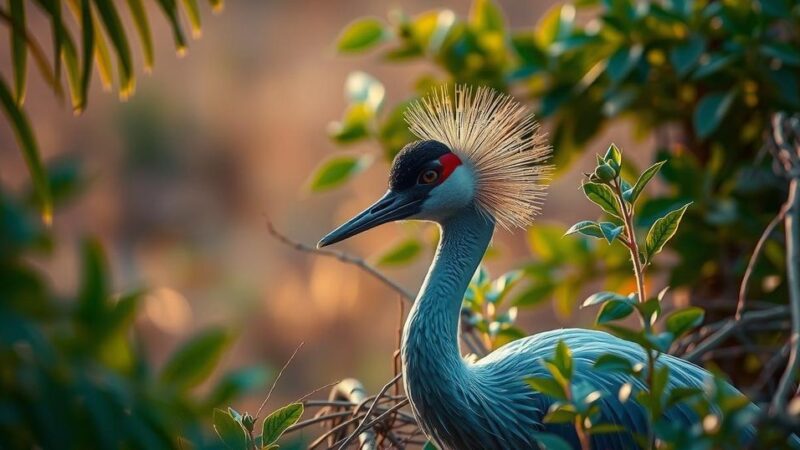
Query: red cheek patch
[(449, 163)]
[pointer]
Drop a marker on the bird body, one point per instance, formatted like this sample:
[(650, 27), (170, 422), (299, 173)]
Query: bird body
[(481, 163)]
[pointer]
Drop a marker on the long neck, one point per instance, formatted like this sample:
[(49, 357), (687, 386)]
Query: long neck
[(430, 347)]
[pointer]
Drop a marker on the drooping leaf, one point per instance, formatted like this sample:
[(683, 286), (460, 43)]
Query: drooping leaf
[(614, 310), (602, 196), (602, 297), (710, 111), (102, 55), (194, 361), (87, 52), (30, 150), (662, 231), (193, 13), (632, 194), (139, 15), (684, 320), (336, 170), (401, 253), (113, 26), (170, 8), (231, 432), (19, 48), (361, 35), (276, 423)]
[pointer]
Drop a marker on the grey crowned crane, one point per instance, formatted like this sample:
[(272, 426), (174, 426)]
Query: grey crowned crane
[(482, 162)]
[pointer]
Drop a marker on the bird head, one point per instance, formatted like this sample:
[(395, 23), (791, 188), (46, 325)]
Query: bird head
[(480, 149)]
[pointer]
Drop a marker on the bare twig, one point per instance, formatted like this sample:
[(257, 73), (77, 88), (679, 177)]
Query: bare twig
[(370, 410), (274, 383), (754, 258), (343, 257)]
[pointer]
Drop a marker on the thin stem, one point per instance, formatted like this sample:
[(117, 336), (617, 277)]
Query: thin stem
[(633, 247)]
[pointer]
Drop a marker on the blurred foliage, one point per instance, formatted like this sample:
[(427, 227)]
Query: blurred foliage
[(72, 371), (101, 36), (702, 77)]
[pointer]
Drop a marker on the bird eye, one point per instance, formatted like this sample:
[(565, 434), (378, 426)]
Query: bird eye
[(429, 176)]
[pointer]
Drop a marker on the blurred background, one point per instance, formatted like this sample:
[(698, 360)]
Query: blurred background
[(182, 177)]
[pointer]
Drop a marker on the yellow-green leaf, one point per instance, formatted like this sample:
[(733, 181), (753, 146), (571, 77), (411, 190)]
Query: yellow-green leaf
[(139, 15), (19, 50), (193, 12), (633, 193), (336, 170), (683, 320), (113, 26), (662, 231), (361, 35), (170, 8), (276, 423)]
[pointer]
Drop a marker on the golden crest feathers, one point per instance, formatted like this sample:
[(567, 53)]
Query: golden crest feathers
[(499, 138)]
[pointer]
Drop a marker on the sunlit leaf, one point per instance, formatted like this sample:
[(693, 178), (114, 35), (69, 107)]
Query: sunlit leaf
[(193, 13), (363, 88), (662, 231), (139, 15), (30, 149), (684, 320), (401, 253), (632, 194), (602, 297), (603, 196), (229, 430), (547, 386), (563, 359), (361, 35), (194, 361), (336, 170), (113, 26), (276, 423), (586, 228), (561, 413)]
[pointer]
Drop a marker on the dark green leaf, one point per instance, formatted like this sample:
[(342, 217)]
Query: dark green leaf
[(710, 111), (561, 413), (87, 50), (715, 63), (684, 320), (635, 336), (649, 310), (229, 430), (336, 170), (603, 196), (549, 441), (361, 35), (113, 26), (785, 53), (661, 341), (194, 361), (662, 231), (684, 57), (139, 15), (587, 228), (632, 194), (429, 446), (19, 48), (30, 150), (602, 297), (614, 310), (170, 8), (606, 428), (400, 254), (547, 386), (623, 61), (613, 363), (276, 423)]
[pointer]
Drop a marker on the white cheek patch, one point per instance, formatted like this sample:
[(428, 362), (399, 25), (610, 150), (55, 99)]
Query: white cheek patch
[(456, 192)]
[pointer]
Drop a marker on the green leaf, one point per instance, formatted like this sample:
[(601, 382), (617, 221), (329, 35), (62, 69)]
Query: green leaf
[(19, 48), (635, 336), (632, 194), (610, 231), (710, 111), (622, 62), (549, 441), (613, 363), (102, 55), (486, 16), (429, 446), (276, 423), (139, 15), (113, 26), (586, 228), (401, 253), (193, 13), (614, 310), (785, 53), (30, 150), (361, 35), (603, 297), (650, 310), (613, 154), (194, 361), (94, 290), (561, 413), (684, 320), (662, 231), (602, 196), (231, 432), (170, 8), (547, 386), (87, 51), (661, 341), (684, 57), (606, 428), (69, 54), (563, 359), (336, 170)]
